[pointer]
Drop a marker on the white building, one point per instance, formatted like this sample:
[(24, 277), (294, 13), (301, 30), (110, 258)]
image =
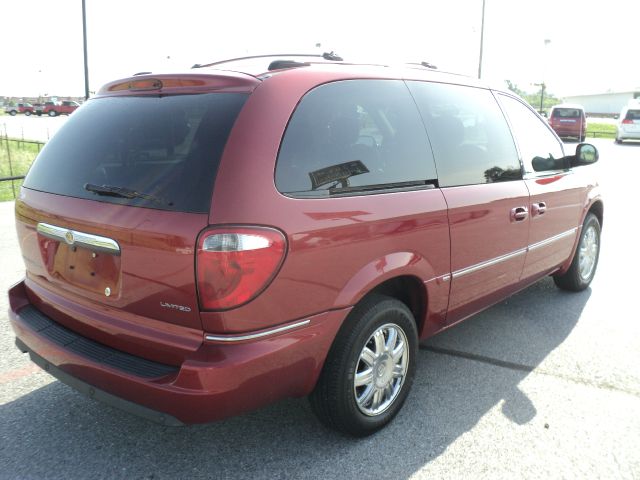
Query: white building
[(603, 104)]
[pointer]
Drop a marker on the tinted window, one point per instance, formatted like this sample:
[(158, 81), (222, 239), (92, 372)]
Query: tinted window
[(633, 115), (167, 148), (533, 135), (566, 113), (350, 134), (470, 138)]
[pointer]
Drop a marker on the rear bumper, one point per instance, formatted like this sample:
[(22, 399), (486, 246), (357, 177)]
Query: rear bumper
[(219, 380), (624, 135)]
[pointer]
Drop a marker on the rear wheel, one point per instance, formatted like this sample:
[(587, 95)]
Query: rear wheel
[(52, 113), (370, 368), (13, 113), (27, 113), (585, 260)]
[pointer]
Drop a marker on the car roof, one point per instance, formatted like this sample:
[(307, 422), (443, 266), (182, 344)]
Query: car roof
[(568, 105), (247, 72), (347, 71)]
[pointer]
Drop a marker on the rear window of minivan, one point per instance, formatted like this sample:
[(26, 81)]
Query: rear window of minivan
[(147, 151), (566, 113)]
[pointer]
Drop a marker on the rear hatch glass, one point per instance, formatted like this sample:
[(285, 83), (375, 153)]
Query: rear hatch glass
[(566, 113), (159, 152), (633, 115)]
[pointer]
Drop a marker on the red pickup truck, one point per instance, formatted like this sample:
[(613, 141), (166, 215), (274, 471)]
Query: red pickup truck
[(59, 108), (25, 108)]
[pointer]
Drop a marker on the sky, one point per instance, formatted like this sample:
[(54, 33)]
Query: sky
[(592, 47)]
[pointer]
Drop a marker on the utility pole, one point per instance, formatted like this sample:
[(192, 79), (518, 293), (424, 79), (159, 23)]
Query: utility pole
[(84, 42), (481, 42)]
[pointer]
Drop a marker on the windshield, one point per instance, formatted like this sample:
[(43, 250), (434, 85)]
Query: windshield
[(164, 149)]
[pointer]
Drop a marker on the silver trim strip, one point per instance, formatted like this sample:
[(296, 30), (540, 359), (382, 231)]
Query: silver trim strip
[(74, 237), (552, 239), (488, 263), (251, 336), (508, 256)]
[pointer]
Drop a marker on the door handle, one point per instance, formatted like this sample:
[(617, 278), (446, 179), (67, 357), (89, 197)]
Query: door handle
[(519, 214), (538, 208)]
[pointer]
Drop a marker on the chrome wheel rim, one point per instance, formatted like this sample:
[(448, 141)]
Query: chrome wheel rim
[(588, 255), (381, 369)]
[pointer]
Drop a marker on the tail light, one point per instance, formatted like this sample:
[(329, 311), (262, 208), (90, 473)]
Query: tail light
[(627, 121), (234, 265)]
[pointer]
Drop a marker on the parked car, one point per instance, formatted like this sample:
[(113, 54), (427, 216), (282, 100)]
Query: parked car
[(25, 108), (628, 126), (199, 245), (38, 108), (60, 108), (569, 120)]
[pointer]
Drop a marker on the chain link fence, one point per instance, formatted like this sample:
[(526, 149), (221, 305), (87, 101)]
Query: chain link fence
[(16, 156)]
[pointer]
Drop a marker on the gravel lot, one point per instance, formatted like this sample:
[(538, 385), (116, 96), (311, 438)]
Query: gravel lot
[(543, 385)]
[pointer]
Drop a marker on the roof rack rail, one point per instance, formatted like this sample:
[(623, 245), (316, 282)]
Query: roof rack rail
[(331, 56), (424, 64)]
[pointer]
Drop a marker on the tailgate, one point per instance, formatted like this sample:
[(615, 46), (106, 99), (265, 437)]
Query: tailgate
[(136, 260), (112, 207)]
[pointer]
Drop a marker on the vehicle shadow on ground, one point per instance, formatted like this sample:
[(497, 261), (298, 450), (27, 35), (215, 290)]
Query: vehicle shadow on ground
[(55, 432)]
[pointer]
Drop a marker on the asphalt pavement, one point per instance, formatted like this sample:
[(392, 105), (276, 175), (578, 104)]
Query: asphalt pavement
[(543, 385)]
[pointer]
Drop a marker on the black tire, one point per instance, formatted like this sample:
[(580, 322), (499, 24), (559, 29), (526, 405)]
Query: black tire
[(52, 113), (27, 113), (13, 113), (334, 398), (582, 138), (618, 141), (576, 279)]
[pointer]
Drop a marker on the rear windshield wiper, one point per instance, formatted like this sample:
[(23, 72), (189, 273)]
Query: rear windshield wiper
[(385, 186), (123, 192)]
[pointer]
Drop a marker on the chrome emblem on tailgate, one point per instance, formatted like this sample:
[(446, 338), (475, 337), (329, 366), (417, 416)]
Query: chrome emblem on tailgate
[(81, 239)]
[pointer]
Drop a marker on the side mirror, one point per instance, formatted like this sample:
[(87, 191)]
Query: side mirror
[(586, 154)]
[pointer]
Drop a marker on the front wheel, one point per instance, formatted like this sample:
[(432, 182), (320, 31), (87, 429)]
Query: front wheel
[(585, 260), (52, 113), (13, 113), (370, 368), (27, 113)]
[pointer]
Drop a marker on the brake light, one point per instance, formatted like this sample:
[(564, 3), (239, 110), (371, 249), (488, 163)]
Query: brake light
[(234, 265), (627, 121)]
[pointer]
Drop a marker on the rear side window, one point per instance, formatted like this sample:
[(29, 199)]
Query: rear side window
[(354, 136), (533, 135), (470, 137), (155, 152), (566, 113), (633, 115)]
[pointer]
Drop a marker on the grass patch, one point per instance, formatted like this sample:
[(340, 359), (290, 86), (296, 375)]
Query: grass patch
[(22, 155), (601, 130)]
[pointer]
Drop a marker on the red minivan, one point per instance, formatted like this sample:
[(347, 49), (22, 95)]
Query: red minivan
[(569, 121), (200, 244)]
